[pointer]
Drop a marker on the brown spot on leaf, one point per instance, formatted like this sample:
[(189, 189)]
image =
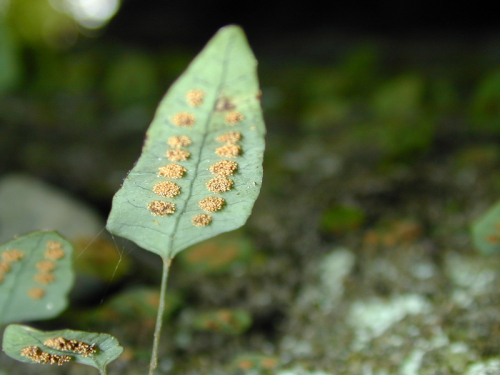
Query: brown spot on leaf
[(224, 168), (179, 141), (229, 137), (36, 293), (201, 220), (223, 104), (44, 278), (75, 346), (493, 240), (13, 255), (228, 151), (46, 266), (232, 118), (54, 254), (4, 267), (166, 189), (172, 171), (161, 208), (195, 97), (177, 155), (185, 119), (219, 185), (39, 356), (211, 204)]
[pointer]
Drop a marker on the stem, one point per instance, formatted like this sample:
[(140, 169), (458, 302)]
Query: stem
[(159, 318)]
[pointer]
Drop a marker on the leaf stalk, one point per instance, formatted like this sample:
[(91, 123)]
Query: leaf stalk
[(159, 318)]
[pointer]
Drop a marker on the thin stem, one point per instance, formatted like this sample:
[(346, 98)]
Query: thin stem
[(159, 319)]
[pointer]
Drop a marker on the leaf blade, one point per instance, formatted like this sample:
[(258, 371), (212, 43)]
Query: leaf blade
[(17, 337), (36, 285), (225, 72)]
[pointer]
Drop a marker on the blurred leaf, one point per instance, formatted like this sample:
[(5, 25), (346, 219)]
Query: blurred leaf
[(232, 321), (132, 78), (399, 97), (99, 258), (342, 219), (9, 59), (485, 104), (137, 304), (217, 255), (217, 96), (106, 348), (486, 231), (35, 277)]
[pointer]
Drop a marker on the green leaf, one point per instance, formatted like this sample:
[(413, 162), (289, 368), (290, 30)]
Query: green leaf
[(217, 94), (486, 231), (106, 348), (35, 277)]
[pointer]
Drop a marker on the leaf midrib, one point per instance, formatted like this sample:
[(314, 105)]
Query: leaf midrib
[(225, 63)]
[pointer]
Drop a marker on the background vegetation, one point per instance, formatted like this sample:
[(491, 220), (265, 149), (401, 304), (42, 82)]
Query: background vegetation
[(381, 139)]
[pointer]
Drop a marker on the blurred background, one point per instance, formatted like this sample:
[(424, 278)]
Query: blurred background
[(383, 147)]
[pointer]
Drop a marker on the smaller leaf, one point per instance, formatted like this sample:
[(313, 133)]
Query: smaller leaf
[(35, 277), (30, 345), (486, 231), (232, 321)]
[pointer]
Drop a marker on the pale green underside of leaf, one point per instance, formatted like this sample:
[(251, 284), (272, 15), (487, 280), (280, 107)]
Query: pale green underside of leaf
[(226, 72), (16, 337), (486, 231), (16, 304)]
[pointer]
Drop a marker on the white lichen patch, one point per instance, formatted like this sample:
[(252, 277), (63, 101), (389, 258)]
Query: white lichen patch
[(472, 277), (470, 274), (490, 367), (228, 151), (166, 189), (179, 141), (172, 170), (333, 269), (184, 119), (370, 319), (299, 370)]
